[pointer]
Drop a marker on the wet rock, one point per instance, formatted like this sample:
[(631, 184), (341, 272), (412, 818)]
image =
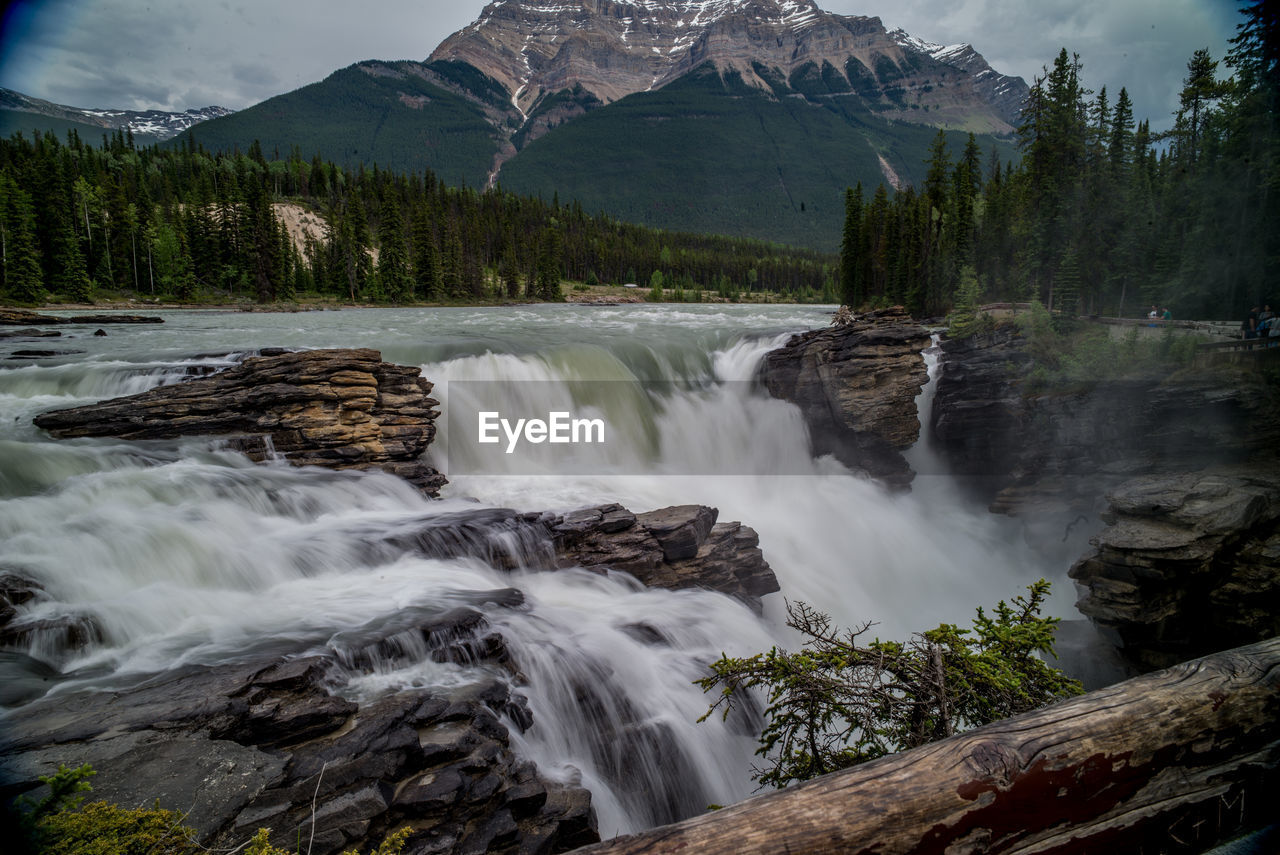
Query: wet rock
[(1034, 453), (677, 547), (205, 779), (40, 354), (1187, 564), (30, 333), (50, 638), (53, 637), (342, 409), (20, 317), (459, 635), (856, 386), (16, 591), (250, 745), (680, 530)]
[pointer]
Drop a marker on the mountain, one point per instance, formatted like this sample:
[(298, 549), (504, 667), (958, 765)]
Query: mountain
[(22, 112), (536, 48), (745, 117)]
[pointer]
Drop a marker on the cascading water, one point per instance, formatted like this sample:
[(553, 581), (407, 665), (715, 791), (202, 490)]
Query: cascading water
[(179, 553)]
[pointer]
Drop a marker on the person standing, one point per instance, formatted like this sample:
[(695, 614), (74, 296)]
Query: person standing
[(1249, 327)]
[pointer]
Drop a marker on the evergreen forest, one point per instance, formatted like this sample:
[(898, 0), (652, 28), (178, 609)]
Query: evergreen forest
[(1099, 215), (1096, 215), (80, 221)]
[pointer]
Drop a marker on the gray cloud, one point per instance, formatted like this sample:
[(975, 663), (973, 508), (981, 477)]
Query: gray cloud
[(176, 54), (1142, 45)]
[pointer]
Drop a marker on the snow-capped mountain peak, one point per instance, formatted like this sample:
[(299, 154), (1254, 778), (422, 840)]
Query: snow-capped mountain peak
[(613, 48), (153, 125)]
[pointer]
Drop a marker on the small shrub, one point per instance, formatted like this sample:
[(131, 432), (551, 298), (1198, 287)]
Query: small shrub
[(839, 702), (59, 823)]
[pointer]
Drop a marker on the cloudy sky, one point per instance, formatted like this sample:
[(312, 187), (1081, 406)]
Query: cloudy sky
[(177, 54)]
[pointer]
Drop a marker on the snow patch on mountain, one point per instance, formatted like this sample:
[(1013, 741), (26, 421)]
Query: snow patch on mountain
[(155, 124)]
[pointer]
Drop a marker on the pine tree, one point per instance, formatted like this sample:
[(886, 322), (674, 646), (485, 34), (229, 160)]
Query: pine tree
[(426, 256), (71, 278), (550, 258), (393, 261), (23, 278), (851, 248)]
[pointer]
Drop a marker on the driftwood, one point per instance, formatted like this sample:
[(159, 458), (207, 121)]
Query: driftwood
[(1174, 761)]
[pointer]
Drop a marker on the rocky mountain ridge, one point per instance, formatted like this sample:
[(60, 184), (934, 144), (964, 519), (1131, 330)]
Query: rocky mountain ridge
[(154, 124), (535, 48)]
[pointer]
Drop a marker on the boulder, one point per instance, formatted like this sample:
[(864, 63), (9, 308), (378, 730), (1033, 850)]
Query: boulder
[(266, 744), (856, 386), (677, 547), (343, 409), (1189, 564)]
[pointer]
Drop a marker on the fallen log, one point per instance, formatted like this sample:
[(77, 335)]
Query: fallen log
[(1174, 761)]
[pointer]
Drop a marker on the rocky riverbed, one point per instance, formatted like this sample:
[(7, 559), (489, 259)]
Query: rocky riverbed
[(275, 739), (1180, 468)]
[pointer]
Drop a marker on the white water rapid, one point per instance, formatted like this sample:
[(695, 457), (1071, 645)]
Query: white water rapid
[(183, 553)]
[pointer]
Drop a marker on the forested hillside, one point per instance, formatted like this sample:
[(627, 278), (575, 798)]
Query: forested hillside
[(708, 153), (1099, 216), (78, 221)]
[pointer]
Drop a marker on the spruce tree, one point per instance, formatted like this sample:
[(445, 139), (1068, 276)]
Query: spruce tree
[(393, 260), (851, 248), (23, 277)]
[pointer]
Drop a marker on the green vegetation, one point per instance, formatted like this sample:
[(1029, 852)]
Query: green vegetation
[(839, 702), (402, 116), (1100, 216), (1069, 355), (711, 154), (79, 222), (60, 823)]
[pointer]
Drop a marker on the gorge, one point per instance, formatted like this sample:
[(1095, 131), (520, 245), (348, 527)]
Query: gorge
[(463, 663)]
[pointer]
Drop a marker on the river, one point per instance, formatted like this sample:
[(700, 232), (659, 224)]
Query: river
[(184, 553)]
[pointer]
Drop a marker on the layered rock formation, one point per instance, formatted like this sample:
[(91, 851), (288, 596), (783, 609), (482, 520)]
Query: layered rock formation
[(22, 318), (856, 386), (242, 747), (1060, 451), (342, 409), (612, 49), (678, 547), (267, 741), (1188, 564)]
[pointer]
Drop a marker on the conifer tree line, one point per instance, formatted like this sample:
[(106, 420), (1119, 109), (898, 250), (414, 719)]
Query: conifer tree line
[(1099, 215), (78, 220)]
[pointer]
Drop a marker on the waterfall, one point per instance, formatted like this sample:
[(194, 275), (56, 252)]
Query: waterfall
[(178, 552)]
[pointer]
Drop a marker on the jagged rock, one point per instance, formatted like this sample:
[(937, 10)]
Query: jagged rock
[(266, 744), (678, 547), (20, 317), (1060, 452), (856, 386), (1187, 565), (16, 591), (343, 409)]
